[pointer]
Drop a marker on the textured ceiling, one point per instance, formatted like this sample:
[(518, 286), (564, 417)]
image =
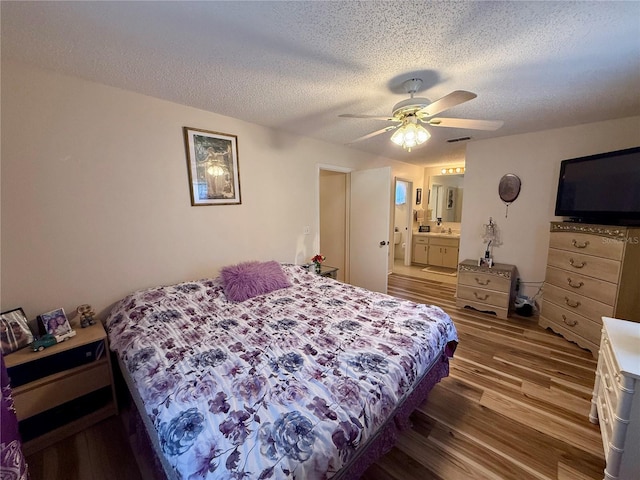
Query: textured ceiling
[(296, 66)]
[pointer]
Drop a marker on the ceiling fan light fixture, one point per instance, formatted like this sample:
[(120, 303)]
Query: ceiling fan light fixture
[(410, 135)]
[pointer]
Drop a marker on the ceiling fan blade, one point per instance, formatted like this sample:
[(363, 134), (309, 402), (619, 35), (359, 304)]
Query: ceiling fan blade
[(445, 103), (465, 123), (373, 134), (375, 117)]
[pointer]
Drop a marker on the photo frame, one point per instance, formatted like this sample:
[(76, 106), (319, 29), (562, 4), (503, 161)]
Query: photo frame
[(212, 163), (56, 323), (418, 196), (451, 198), (14, 331), (485, 262)]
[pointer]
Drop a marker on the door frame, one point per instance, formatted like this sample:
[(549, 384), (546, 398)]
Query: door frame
[(346, 171), (408, 220)]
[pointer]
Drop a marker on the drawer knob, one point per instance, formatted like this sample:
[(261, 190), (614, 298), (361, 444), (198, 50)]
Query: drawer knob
[(580, 245), (574, 285), (479, 282), (573, 263), (475, 294), (571, 304), (571, 323)]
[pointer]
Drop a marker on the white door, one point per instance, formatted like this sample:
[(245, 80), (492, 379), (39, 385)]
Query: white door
[(369, 228)]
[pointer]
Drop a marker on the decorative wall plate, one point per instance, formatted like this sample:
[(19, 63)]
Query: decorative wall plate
[(509, 189)]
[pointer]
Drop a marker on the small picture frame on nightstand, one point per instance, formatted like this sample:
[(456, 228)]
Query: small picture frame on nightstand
[(485, 262), (56, 323)]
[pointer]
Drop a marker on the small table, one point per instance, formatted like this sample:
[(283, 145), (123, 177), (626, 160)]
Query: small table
[(327, 271)]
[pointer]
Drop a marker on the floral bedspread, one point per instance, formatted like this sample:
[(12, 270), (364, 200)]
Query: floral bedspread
[(284, 385)]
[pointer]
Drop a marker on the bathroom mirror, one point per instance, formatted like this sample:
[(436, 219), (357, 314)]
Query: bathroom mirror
[(445, 197)]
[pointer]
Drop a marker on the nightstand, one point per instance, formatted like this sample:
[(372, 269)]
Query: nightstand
[(488, 289), (63, 389), (327, 271)]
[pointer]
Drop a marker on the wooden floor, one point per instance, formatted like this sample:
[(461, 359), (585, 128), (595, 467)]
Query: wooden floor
[(515, 406)]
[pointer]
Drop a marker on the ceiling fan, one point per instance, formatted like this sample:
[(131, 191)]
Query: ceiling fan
[(409, 115)]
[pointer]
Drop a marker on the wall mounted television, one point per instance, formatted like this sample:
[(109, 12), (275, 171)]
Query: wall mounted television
[(602, 188)]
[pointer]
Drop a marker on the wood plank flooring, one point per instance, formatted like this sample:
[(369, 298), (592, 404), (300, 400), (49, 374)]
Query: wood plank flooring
[(515, 406)]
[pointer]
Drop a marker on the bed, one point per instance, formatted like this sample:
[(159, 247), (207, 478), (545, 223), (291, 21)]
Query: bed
[(306, 377)]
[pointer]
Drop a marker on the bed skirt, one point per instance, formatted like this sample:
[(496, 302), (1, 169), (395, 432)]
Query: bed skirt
[(152, 467)]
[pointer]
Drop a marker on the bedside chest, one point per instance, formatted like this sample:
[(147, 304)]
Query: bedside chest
[(327, 271), (616, 398), (63, 389), (486, 289)]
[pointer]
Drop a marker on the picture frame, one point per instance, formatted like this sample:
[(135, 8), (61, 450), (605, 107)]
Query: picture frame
[(451, 198), (485, 262), (56, 323), (14, 331), (212, 164), (418, 196)]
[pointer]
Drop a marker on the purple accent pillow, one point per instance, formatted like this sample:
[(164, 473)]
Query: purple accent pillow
[(250, 279)]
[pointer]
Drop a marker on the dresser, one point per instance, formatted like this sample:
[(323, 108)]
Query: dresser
[(616, 398), (488, 289), (592, 271)]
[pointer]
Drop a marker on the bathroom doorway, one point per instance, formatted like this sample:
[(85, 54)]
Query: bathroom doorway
[(402, 223)]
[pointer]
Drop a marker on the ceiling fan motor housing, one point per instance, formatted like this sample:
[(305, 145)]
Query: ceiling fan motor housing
[(409, 106)]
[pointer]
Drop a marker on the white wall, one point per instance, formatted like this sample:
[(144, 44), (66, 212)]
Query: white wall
[(535, 158), (95, 195)]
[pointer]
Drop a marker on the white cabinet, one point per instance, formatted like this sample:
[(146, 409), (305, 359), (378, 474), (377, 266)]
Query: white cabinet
[(420, 250), (616, 398), (443, 252), (436, 250)]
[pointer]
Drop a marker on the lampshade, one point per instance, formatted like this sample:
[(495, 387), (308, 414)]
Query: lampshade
[(410, 135)]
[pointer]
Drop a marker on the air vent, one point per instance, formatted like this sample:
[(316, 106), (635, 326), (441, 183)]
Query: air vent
[(461, 139)]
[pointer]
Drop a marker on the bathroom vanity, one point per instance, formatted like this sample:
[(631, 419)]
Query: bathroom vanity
[(435, 249)]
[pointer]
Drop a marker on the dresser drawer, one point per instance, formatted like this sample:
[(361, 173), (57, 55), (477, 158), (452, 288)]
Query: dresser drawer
[(599, 290), (609, 376), (484, 281), (577, 303), (568, 320), (605, 419), (587, 244), (490, 297), (602, 268)]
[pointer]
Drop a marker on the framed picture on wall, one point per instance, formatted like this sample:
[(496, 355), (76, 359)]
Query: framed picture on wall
[(212, 163), (418, 196), (451, 198)]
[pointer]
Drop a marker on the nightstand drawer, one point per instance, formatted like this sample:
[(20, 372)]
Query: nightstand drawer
[(54, 390), (484, 281), (602, 268), (490, 297), (593, 288)]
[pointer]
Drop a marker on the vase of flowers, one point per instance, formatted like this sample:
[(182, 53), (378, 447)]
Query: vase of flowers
[(317, 262)]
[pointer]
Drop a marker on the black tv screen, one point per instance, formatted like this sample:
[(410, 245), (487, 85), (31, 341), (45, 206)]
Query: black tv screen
[(603, 188)]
